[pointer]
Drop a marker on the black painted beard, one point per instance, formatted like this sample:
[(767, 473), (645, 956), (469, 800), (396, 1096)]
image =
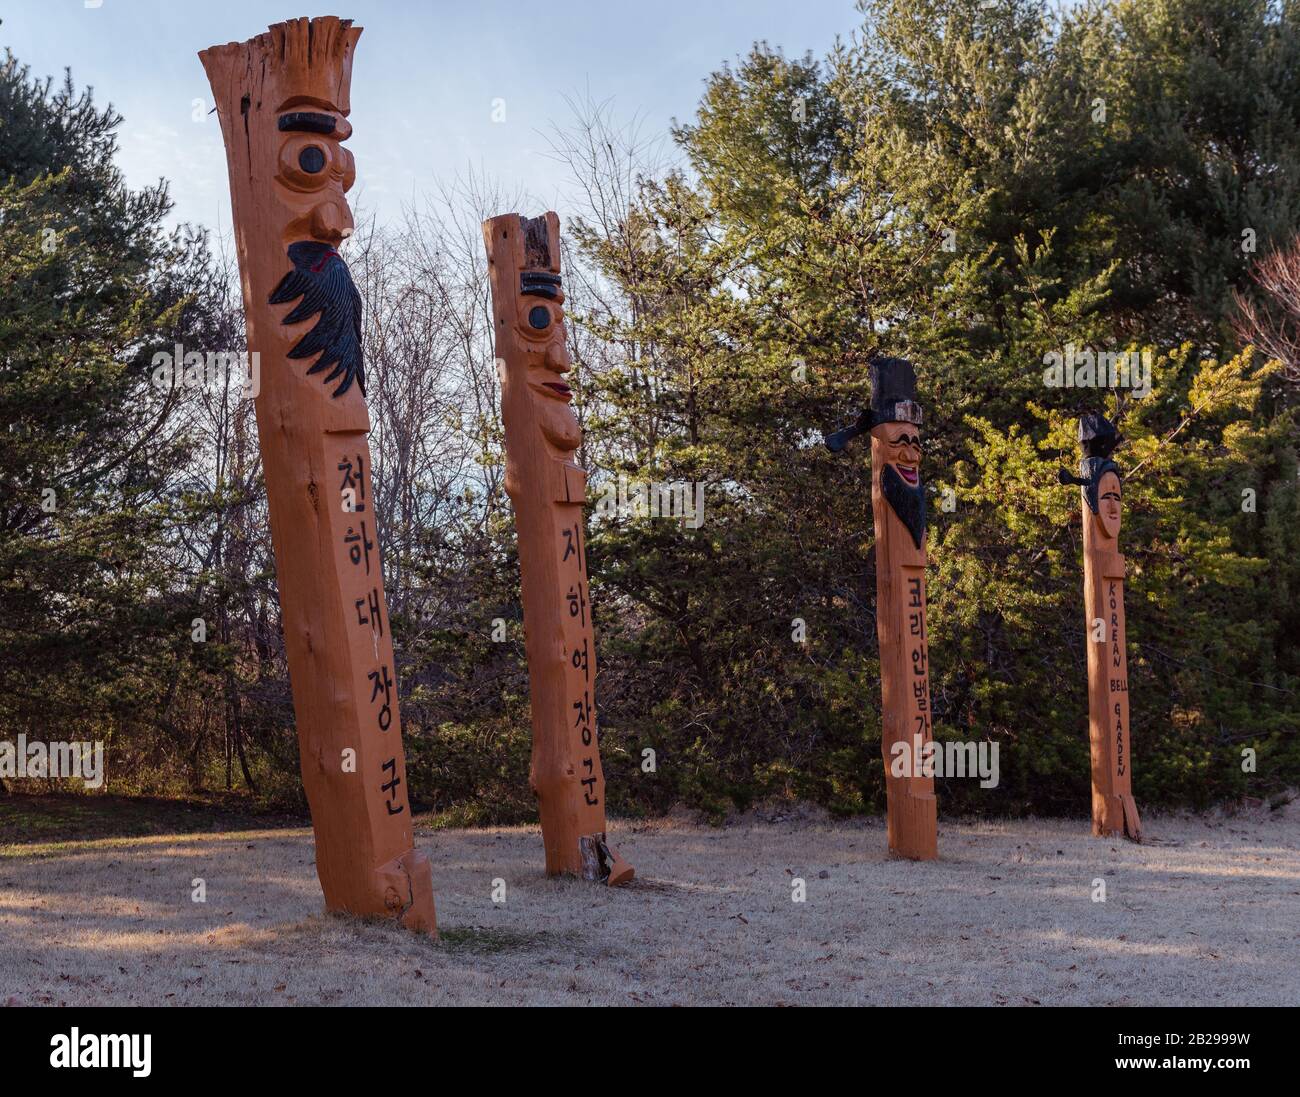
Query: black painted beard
[(908, 502), (321, 279)]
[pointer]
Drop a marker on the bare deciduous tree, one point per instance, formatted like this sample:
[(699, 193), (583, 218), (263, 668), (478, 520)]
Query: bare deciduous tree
[(1271, 318)]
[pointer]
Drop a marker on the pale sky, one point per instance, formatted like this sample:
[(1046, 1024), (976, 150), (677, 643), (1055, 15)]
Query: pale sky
[(423, 82)]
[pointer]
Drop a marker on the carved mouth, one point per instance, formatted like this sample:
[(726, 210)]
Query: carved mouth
[(909, 474), (558, 389)]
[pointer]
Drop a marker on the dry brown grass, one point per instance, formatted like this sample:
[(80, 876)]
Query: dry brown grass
[(1211, 915)]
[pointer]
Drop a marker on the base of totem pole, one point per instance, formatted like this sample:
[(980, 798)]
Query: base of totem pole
[(913, 823), (1119, 820), (600, 864), (407, 885)]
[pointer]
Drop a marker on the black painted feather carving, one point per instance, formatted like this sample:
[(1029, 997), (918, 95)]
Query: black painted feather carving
[(321, 279)]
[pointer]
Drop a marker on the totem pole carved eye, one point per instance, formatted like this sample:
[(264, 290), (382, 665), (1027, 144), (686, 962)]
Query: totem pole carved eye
[(305, 163), (540, 283), (311, 154), (312, 159)]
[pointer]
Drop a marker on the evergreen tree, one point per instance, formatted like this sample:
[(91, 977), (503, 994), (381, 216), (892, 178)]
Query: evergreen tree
[(91, 287), (950, 188)]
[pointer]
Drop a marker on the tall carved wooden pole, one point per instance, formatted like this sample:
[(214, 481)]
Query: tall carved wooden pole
[(283, 101), (548, 491), (898, 506), (1114, 811)]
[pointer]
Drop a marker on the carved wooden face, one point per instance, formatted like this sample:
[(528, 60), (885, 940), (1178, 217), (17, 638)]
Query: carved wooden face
[(283, 99), (1109, 497), (314, 172), (539, 323), (902, 443)]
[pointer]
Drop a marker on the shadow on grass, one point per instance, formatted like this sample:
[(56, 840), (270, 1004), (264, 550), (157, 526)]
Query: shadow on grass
[(482, 941), (60, 817)]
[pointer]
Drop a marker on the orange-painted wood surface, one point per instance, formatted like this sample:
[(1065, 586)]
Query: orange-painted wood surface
[(283, 102), (1114, 811), (898, 504), (548, 489), (904, 652)]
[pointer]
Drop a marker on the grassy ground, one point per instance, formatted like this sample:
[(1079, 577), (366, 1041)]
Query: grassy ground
[(1209, 914)]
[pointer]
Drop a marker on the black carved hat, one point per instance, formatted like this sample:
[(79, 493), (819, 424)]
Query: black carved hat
[(1097, 435), (1098, 439), (893, 391), (893, 400)]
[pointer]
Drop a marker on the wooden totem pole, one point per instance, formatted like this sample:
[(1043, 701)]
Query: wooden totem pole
[(548, 491), (283, 101), (1114, 811), (898, 506)]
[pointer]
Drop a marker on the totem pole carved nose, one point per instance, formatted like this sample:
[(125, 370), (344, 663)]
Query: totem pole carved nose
[(331, 223), (557, 358)]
